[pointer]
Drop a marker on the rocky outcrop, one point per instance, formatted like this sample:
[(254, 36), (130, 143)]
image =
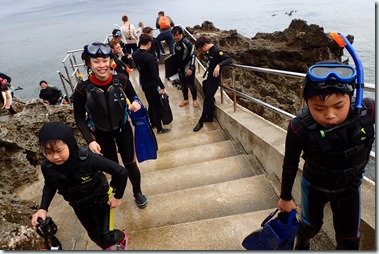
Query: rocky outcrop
[(294, 49), (19, 161)]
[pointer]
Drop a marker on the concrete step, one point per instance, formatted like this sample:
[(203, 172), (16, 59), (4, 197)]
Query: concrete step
[(223, 233), (187, 156), (193, 175), (180, 129), (196, 139), (200, 203)]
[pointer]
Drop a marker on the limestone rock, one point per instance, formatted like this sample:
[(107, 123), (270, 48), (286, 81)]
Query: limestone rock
[(294, 49)]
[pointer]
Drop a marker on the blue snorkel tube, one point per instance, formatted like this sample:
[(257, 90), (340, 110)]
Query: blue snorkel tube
[(341, 40)]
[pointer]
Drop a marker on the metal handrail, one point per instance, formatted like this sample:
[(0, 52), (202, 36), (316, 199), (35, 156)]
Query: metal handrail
[(74, 66), (367, 87)]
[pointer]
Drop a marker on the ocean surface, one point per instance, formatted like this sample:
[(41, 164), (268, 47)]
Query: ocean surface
[(36, 34)]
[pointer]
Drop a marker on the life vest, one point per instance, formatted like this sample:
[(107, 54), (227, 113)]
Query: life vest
[(164, 22), (107, 109), (82, 186), (340, 153)]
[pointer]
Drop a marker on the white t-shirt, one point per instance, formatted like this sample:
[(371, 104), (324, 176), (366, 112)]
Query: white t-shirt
[(130, 33)]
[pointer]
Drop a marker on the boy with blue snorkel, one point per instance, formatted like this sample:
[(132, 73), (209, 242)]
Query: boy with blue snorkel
[(335, 133)]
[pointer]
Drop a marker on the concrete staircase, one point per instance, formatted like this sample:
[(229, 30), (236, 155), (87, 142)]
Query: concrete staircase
[(204, 192)]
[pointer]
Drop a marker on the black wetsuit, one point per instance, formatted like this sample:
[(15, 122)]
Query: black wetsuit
[(82, 183), (332, 172), (150, 81), (185, 53), (120, 65), (105, 115), (210, 85), (50, 94), (154, 48), (155, 51)]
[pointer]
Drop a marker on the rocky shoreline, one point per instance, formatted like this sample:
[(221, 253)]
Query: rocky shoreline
[(294, 49)]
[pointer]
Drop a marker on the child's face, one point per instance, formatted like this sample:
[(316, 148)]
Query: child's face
[(57, 154), (43, 85), (101, 67), (331, 111), (178, 36), (117, 49)]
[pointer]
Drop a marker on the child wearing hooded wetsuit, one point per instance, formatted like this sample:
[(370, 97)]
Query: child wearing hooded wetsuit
[(335, 140), (77, 174)]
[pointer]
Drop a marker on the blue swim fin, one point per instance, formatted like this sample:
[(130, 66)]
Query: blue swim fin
[(145, 140), (276, 234)]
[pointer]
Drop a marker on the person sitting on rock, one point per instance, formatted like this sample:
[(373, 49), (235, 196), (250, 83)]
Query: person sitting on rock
[(49, 94), (6, 93)]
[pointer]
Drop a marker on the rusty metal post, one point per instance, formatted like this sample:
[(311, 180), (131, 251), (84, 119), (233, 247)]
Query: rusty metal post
[(234, 94), (64, 86)]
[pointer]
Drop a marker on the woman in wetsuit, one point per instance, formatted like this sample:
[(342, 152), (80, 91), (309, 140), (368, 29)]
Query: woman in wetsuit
[(100, 109)]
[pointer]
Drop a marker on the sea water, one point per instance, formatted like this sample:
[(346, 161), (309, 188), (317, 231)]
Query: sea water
[(36, 34)]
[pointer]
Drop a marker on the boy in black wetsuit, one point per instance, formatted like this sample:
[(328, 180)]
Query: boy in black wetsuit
[(185, 54), (150, 82), (77, 174), (216, 59), (336, 140)]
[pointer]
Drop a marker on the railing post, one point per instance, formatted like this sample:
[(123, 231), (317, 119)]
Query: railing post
[(64, 87), (234, 88), (68, 77), (221, 89)]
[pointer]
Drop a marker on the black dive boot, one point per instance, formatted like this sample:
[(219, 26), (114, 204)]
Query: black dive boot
[(135, 179), (302, 243)]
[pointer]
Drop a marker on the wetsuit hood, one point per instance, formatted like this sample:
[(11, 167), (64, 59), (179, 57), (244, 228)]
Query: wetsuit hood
[(59, 131)]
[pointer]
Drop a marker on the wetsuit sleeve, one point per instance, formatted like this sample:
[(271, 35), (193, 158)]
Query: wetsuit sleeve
[(118, 172), (57, 92), (191, 57), (157, 23), (48, 193), (293, 147), (80, 98), (224, 60), (172, 24), (157, 49)]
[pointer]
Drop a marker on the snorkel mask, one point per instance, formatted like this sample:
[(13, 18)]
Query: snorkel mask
[(341, 40), (98, 49), (327, 76)]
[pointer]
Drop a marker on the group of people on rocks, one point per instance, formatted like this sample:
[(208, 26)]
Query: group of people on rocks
[(101, 109)]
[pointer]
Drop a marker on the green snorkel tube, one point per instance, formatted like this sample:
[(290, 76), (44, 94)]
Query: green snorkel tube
[(341, 40)]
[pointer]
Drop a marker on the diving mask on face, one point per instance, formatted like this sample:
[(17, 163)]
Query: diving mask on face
[(99, 50), (323, 72)]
